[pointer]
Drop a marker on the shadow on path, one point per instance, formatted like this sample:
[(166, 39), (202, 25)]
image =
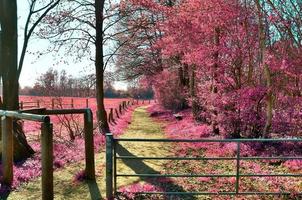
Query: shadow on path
[(94, 191), (139, 167)]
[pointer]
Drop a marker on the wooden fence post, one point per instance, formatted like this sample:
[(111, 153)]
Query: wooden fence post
[(109, 166), (72, 105), (108, 118), (87, 103), (89, 148), (7, 150), (38, 103), (120, 108), (21, 105), (52, 103), (111, 113), (47, 161), (116, 113)]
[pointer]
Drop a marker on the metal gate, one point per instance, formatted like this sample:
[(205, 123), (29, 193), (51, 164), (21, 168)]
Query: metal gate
[(112, 174)]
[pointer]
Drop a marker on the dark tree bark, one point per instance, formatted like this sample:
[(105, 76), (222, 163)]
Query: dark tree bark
[(99, 67), (215, 127), (267, 73), (9, 69), (195, 107)]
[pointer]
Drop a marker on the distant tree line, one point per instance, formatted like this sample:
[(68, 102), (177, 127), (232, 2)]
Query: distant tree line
[(59, 83)]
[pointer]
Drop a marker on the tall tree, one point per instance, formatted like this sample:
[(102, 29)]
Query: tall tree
[(11, 67), (99, 65), (84, 28)]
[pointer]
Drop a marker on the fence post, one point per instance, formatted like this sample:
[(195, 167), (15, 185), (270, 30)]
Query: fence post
[(38, 103), (7, 150), (52, 103), (120, 108), (72, 105), (89, 145), (87, 103), (47, 161), (237, 168), (21, 105), (109, 166), (116, 113), (109, 119), (111, 114)]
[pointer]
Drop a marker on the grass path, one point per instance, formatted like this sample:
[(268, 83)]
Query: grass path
[(141, 126)]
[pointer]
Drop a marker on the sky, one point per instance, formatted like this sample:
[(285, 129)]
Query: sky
[(34, 66)]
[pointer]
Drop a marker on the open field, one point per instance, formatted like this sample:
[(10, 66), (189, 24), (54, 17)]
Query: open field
[(66, 102), (63, 102)]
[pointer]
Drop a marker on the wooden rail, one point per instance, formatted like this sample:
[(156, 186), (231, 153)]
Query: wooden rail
[(54, 103)]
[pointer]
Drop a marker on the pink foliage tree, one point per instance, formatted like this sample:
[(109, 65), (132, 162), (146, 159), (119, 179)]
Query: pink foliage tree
[(236, 63)]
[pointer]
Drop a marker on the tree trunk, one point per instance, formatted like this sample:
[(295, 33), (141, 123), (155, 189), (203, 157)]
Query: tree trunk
[(9, 66), (215, 127), (99, 67), (269, 102), (195, 106), (267, 73)]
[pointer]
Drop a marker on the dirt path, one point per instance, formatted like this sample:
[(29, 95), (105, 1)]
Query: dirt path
[(142, 126)]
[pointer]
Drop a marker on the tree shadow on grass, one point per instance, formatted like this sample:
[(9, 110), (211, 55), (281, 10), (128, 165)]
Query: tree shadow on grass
[(94, 190), (139, 167), (4, 191)]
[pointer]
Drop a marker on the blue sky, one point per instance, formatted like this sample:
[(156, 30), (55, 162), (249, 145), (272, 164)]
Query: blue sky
[(34, 66)]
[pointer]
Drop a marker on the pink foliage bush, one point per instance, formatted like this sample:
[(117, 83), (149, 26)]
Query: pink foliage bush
[(187, 128), (80, 176), (167, 91), (129, 191), (294, 165)]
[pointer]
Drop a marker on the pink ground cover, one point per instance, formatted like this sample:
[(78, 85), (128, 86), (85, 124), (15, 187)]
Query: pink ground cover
[(187, 128), (64, 152)]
